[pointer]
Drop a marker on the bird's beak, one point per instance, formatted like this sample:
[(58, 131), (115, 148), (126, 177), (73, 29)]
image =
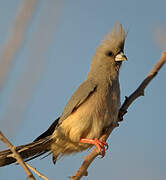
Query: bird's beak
[(120, 57)]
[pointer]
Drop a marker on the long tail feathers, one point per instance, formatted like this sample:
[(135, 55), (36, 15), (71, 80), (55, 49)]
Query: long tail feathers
[(27, 152)]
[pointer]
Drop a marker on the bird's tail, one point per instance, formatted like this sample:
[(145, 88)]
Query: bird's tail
[(27, 152)]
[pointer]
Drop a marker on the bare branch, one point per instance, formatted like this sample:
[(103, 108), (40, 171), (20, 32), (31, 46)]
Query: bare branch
[(17, 156), (140, 90), (36, 172), (82, 171)]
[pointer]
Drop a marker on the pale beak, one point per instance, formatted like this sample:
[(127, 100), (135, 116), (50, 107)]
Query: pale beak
[(120, 57)]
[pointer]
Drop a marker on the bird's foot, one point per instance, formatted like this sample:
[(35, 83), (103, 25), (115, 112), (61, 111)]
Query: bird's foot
[(98, 143)]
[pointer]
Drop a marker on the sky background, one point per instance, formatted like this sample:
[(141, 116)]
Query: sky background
[(54, 58)]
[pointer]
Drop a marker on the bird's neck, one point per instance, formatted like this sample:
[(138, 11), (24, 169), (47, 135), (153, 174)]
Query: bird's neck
[(104, 74)]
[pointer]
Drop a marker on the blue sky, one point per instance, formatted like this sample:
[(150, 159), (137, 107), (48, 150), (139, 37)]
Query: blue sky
[(54, 59)]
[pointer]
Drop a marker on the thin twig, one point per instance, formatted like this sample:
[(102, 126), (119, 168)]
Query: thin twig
[(140, 90), (17, 156), (36, 172), (82, 171)]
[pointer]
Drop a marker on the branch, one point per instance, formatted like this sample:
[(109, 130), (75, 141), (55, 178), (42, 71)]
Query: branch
[(36, 172), (82, 171), (17, 156), (25, 165), (140, 90)]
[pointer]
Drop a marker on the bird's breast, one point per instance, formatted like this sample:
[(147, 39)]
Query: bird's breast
[(91, 117)]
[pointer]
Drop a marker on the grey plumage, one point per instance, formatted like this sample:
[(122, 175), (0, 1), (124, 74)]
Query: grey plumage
[(80, 95), (91, 109)]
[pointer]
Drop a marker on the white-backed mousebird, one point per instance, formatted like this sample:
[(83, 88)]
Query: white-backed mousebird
[(91, 109)]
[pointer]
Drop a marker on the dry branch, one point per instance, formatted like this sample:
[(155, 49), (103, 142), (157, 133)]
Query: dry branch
[(17, 156), (36, 172), (24, 165), (140, 90), (82, 171)]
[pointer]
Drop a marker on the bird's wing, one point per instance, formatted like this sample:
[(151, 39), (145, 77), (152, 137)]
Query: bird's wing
[(80, 96)]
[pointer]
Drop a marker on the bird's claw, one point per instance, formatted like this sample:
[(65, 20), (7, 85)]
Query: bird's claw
[(100, 145)]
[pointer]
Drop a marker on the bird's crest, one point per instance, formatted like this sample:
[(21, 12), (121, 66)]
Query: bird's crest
[(115, 38)]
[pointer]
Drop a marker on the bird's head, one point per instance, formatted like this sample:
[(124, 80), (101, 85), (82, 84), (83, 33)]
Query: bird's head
[(110, 53)]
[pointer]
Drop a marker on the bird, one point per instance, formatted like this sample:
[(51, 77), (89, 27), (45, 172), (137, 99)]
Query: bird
[(92, 108)]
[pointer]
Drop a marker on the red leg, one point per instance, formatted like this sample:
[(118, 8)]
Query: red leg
[(98, 143)]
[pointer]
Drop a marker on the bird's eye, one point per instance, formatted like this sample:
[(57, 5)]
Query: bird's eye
[(109, 53)]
